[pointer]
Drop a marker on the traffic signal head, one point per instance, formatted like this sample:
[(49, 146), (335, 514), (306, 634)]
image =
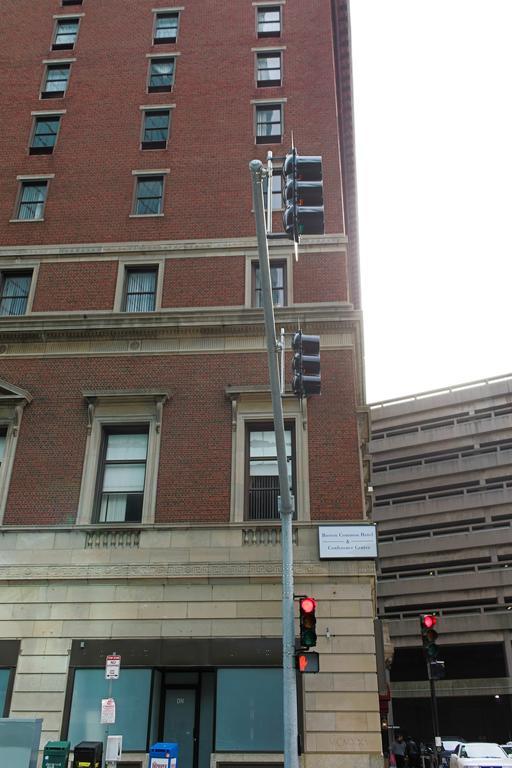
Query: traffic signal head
[(428, 622), (306, 378), (303, 199), (307, 622)]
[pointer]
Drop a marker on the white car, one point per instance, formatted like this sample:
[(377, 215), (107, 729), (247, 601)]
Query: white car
[(479, 754)]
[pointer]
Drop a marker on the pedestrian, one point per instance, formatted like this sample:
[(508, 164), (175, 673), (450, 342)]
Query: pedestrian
[(412, 752), (398, 748)]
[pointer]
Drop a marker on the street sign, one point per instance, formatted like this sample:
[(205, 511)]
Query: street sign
[(339, 542), (112, 667), (108, 712)]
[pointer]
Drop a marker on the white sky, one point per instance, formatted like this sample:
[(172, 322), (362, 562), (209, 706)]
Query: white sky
[(433, 116)]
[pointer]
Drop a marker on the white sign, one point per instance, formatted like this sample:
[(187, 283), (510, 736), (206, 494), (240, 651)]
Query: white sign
[(108, 712), (159, 762), (112, 667), (347, 541)]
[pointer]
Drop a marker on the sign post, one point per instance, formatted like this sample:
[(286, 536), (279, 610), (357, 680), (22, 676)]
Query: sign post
[(108, 705)]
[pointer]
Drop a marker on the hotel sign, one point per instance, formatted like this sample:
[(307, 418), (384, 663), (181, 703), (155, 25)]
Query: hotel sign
[(339, 542)]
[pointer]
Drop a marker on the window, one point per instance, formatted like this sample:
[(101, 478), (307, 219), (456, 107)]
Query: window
[(262, 474), (276, 190), (66, 32), (56, 81), (32, 199), (278, 278), (44, 135), (249, 710), (133, 689), (121, 474), (269, 124), (14, 291), (149, 195), (161, 75), (155, 131), (269, 21), (140, 290), (268, 69), (72, 2), (166, 28)]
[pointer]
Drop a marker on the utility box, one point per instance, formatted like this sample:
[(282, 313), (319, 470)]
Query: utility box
[(114, 750), (164, 754), (56, 754), (88, 754)]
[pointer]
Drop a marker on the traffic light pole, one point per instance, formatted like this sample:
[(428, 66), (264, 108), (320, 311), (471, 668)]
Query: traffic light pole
[(435, 717), (291, 759)]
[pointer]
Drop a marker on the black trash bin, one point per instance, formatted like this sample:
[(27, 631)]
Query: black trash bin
[(56, 754), (88, 754)]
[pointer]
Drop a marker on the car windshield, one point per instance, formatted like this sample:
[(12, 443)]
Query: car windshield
[(484, 750)]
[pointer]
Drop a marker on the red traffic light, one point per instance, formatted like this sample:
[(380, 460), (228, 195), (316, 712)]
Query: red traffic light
[(429, 621), (308, 604)]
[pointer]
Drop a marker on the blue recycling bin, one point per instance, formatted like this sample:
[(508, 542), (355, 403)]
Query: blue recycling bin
[(164, 754)]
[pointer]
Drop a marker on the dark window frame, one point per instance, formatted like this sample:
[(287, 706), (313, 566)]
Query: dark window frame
[(276, 81), (118, 429), (254, 291), (140, 178), (5, 273), (268, 426), (64, 3), (170, 38), (269, 138), (269, 8), (164, 88), (144, 269), (69, 46), (44, 149), (150, 144), (49, 94)]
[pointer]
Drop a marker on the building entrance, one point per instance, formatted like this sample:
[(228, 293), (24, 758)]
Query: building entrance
[(180, 722)]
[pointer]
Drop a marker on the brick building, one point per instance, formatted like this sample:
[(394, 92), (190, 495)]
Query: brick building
[(138, 475)]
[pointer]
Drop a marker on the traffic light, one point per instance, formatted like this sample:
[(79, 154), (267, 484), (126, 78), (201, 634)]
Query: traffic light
[(307, 622), (306, 379), (308, 662), (303, 196), (428, 622)]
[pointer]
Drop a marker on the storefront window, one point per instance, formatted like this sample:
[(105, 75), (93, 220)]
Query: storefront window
[(249, 710), (4, 682), (131, 693)]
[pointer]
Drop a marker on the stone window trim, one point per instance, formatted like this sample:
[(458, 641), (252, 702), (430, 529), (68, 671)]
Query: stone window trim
[(27, 266), (65, 17), (249, 271), (115, 408), (67, 62), (13, 401), (43, 177), (252, 404), (162, 12), (127, 263)]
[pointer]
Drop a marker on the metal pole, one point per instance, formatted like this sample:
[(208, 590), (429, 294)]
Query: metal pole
[(291, 758), (270, 202), (435, 720)]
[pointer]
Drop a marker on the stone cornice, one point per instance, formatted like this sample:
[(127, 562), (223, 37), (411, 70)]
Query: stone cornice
[(169, 323), (212, 247), (187, 571)]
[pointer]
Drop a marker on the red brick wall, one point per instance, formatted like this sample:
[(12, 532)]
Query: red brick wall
[(208, 188), (204, 282), (320, 277), (195, 457), (75, 286)]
